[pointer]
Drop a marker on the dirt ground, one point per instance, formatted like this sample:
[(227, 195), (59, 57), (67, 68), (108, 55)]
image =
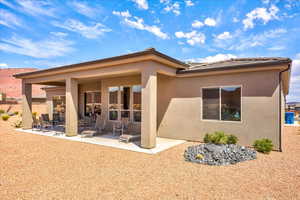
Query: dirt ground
[(40, 167)]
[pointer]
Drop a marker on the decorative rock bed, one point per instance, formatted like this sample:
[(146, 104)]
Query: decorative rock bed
[(212, 154)]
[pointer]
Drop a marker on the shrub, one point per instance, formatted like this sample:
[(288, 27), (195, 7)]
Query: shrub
[(2, 111), (263, 145), (232, 139), (16, 112), (220, 137), (5, 117), (17, 124)]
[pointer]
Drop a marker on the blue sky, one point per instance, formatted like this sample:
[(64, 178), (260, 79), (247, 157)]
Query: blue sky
[(45, 33)]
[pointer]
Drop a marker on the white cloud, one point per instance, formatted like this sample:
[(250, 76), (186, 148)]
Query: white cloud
[(235, 20), (138, 23), (192, 38), (50, 47), (260, 14), (3, 65), (9, 19), (37, 7), (90, 32), (294, 94), (210, 22), (59, 34), (143, 4), (215, 58), (241, 41), (122, 14), (224, 36), (84, 9), (197, 24), (276, 48), (175, 7), (189, 3)]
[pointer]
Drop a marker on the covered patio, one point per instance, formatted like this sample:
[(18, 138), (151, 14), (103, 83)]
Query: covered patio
[(127, 86)]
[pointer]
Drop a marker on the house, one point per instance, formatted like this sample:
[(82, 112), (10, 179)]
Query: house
[(169, 98)]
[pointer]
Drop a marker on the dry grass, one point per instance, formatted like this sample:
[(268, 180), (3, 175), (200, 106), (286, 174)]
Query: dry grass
[(39, 167)]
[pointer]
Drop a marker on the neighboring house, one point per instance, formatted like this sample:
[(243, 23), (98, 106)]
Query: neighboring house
[(12, 86), (169, 98)]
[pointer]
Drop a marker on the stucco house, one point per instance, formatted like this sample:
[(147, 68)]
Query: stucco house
[(169, 98)]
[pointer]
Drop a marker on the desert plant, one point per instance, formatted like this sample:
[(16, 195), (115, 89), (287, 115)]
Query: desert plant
[(263, 145), (232, 139), (17, 124), (5, 117), (2, 111), (220, 137)]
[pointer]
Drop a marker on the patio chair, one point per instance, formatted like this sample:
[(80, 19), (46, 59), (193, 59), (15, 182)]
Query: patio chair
[(56, 119), (45, 122), (119, 127), (94, 130), (132, 133), (36, 123)]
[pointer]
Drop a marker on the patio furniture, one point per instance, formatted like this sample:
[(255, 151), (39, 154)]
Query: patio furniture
[(118, 128), (56, 119), (45, 122), (94, 130), (35, 123), (132, 133)]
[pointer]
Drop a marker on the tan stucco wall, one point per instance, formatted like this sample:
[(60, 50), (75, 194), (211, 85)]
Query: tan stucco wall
[(179, 107)]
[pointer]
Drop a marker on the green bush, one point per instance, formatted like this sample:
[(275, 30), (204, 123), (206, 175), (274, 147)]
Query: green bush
[(16, 112), (2, 111), (17, 124), (263, 145), (232, 139), (5, 117), (220, 137)]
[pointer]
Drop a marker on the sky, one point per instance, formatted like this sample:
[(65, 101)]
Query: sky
[(48, 33)]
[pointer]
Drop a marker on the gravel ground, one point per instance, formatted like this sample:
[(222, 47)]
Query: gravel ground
[(39, 167)]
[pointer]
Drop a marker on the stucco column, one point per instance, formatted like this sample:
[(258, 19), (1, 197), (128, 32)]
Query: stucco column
[(149, 108), (71, 107), (26, 105), (50, 108)]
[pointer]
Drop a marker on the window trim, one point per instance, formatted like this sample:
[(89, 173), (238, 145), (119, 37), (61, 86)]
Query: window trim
[(220, 104)]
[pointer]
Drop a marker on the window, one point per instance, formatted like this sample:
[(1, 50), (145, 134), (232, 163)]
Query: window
[(125, 102), (222, 103), (92, 103), (137, 103), (113, 103)]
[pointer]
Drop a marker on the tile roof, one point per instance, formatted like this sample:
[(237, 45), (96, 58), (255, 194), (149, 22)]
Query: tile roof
[(235, 63)]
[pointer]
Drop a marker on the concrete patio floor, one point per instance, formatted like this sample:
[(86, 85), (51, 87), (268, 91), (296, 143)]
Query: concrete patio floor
[(110, 141)]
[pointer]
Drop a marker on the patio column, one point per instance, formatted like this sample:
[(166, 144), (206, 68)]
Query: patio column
[(149, 108), (71, 107), (26, 105)]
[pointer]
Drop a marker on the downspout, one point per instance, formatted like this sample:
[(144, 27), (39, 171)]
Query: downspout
[(280, 80)]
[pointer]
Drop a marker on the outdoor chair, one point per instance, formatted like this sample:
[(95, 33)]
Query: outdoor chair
[(56, 119), (96, 129), (119, 127), (45, 122), (36, 123), (132, 133)]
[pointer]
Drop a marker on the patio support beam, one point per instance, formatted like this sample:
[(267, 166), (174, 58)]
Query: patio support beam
[(26, 105), (149, 108), (71, 107)]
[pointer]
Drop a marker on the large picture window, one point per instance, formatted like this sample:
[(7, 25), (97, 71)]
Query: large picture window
[(222, 103), (125, 102), (92, 103)]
